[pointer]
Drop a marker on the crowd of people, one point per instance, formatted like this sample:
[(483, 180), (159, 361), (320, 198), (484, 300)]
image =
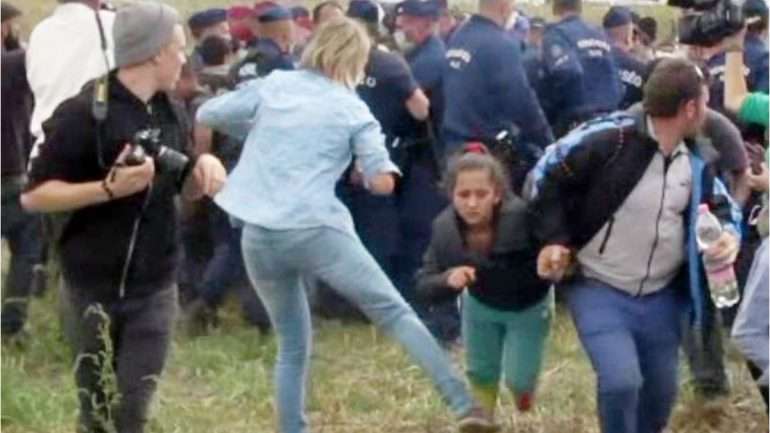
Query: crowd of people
[(445, 175)]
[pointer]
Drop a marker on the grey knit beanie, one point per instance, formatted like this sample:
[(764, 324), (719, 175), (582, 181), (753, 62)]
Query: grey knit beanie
[(141, 29)]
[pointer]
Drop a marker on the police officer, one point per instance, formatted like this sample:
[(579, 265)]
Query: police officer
[(532, 55), (619, 28), (272, 50), (485, 88), (394, 97), (203, 24), (419, 199), (417, 37), (582, 79)]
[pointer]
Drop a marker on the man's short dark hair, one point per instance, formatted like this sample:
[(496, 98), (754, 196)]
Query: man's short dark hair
[(214, 50), (560, 6), (672, 83)]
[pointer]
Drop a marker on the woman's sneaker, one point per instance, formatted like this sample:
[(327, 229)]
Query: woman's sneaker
[(477, 420)]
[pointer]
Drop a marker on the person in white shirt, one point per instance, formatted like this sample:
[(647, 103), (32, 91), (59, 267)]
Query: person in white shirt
[(65, 52)]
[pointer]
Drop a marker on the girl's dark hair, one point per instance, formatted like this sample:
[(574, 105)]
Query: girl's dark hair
[(476, 156)]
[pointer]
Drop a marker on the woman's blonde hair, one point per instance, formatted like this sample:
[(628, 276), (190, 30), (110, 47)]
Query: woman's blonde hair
[(339, 50)]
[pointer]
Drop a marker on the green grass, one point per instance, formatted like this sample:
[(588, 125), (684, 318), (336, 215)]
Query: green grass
[(361, 382)]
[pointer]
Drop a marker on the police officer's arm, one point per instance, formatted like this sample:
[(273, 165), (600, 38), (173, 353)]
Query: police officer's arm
[(232, 113), (401, 80), (418, 105), (368, 146)]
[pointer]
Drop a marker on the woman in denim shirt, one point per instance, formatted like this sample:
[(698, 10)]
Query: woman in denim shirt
[(302, 129)]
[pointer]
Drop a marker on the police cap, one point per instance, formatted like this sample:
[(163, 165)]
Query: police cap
[(207, 18), (617, 16)]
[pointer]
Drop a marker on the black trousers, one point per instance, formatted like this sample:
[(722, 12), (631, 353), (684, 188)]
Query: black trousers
[(120, 350), (22, 231)]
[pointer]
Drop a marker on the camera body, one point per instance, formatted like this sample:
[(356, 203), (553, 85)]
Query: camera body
[(147, 142), (709, 22)]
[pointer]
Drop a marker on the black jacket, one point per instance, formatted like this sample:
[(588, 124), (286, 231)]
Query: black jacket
[(94, 241), (506, 280), (588, 174)]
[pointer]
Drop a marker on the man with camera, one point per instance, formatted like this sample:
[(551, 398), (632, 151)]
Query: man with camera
[(111, 173), (634, 179), (706, 25)]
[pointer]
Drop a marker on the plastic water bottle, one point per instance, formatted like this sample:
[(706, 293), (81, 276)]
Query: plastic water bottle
[(721, 276)]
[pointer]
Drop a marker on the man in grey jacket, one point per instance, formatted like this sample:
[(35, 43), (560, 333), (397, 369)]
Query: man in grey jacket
[(620, 194)]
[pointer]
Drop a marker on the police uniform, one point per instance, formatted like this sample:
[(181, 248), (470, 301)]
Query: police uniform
[(264, 55), (420, 200), (387, 85), (486, 89), (581, 75), (632, 73), (630, 70), (199, 21)]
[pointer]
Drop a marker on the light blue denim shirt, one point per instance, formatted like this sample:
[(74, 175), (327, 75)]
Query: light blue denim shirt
[(302, 131)]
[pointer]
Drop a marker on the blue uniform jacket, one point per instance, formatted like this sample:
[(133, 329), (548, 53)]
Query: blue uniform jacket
[(486, 90), (632, 73), (387, 85), (263, 57), (580, 72), (427, 64)]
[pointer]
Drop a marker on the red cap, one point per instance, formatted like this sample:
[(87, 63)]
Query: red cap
[(263, 6), (240, 12), (476, 147)]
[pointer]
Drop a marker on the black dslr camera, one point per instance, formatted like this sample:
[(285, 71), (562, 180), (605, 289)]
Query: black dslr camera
[(708, 21), (148, 142)]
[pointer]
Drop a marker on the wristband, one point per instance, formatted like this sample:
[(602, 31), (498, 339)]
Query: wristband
[(107, 189)]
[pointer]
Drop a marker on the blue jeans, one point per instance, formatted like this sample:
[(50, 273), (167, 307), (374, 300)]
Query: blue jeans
[(277, 261), (633, 345)]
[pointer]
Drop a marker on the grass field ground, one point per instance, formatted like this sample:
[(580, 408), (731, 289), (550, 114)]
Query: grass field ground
[(361, 382)]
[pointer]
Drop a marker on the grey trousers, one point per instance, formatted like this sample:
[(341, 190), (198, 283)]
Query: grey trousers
[(120, 349)]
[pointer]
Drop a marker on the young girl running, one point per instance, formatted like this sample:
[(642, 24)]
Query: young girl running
[(481, 244)]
